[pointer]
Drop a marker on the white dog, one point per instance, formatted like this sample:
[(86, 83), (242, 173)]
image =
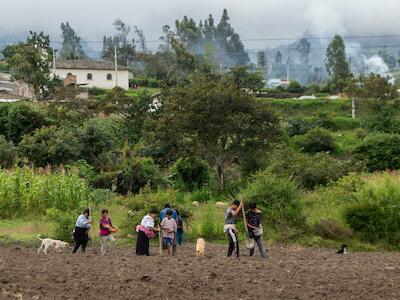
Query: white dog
[(46, 243), (200, 247)]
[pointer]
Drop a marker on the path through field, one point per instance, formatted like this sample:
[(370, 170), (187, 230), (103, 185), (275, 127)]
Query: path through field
[(289, 273)]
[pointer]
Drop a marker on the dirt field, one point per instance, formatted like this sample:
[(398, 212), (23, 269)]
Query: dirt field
[(289, 273)]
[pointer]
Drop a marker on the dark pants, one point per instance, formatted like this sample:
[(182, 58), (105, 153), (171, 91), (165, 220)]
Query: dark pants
[(258, 240), (81, 238), (233, 242), (142, 244), (179, 237)]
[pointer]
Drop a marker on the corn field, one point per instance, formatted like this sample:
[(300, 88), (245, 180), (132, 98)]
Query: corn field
[(28, 192)]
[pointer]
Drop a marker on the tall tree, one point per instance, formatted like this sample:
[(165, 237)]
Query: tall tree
[(141, 39), (213, 119), (126, 50), (304, 49), (261, 60), (31, 62), (71, 43), (336, 64)]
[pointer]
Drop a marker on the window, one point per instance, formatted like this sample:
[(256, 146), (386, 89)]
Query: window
[(109, 76), (89, 76)]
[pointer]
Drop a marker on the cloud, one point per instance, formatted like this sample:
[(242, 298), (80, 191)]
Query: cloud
[(251, 18)]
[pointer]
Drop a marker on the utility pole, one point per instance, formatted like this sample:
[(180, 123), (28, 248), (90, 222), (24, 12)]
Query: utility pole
[(116, 65)]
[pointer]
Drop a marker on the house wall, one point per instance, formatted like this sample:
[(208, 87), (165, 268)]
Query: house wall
[(99, 77)]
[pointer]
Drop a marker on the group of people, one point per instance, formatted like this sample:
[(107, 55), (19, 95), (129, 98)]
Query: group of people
[(253, 223), (170, 229), (106, 230)]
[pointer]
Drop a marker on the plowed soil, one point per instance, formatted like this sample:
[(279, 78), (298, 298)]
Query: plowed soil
[(288, 273)]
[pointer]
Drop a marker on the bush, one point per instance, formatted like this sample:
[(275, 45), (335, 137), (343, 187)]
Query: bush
[(8, 153), (50, 145), (316, 140), (379, 152), (19, 119), (299, 126), (309, 171), (375, 215), (209, 230), (94, 91), (279, 199), (295, 87), (63, 223), (190, 174)]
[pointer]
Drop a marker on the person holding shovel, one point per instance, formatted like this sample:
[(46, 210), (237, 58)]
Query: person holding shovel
[(253, 218), (230, 230), (82, 226)]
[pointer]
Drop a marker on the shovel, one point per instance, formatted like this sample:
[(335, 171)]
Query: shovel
[(160, 241), (249, 241)]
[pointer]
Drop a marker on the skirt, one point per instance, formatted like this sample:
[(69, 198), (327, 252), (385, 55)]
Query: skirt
[(142, 244)]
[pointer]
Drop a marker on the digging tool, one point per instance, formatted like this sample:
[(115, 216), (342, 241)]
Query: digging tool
[(160, 241), (249, 241), (91, 231)]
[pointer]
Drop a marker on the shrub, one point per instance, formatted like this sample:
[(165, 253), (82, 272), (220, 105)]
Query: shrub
[(200, 196), (279, 199), (379, 152), (309, 171), (295, 87), (209, 230), (19, 119), (331, 229), (50, 145), (94, 141), (299, 126), (190, 174), (316, 140), (63, 223), (8, 153), (375, 215)]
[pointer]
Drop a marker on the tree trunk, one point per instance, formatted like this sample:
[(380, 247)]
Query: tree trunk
[(353, 108), (221, 177)]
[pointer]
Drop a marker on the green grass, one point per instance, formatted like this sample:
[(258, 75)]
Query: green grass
[(310, 107)]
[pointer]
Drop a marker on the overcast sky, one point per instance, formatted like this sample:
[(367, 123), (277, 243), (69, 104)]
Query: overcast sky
[(250, 18)]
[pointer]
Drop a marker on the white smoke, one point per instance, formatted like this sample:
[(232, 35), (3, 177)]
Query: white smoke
[(376, 65), (325, 20)]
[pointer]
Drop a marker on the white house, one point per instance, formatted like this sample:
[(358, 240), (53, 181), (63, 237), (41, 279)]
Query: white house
[(93, 73)]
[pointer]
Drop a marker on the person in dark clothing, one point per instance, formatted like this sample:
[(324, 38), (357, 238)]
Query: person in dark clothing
[(179, 233), (231, 214), (82, 226), (253, 217)]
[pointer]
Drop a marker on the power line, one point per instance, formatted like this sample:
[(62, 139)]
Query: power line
[(250, 39)]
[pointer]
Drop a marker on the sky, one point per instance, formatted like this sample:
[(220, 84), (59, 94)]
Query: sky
[(92, 19)]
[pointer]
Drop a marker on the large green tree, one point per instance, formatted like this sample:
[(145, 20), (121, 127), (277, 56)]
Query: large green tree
[(336, 64), (71, 43), (31, 62), (212, 118)]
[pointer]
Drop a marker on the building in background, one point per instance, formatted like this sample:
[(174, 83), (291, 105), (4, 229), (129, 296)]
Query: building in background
[(93, 73)]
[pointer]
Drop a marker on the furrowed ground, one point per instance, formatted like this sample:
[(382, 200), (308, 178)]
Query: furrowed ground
[(288, 273)]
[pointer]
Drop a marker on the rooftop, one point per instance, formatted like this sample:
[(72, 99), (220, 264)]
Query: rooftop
[(87, 64)]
